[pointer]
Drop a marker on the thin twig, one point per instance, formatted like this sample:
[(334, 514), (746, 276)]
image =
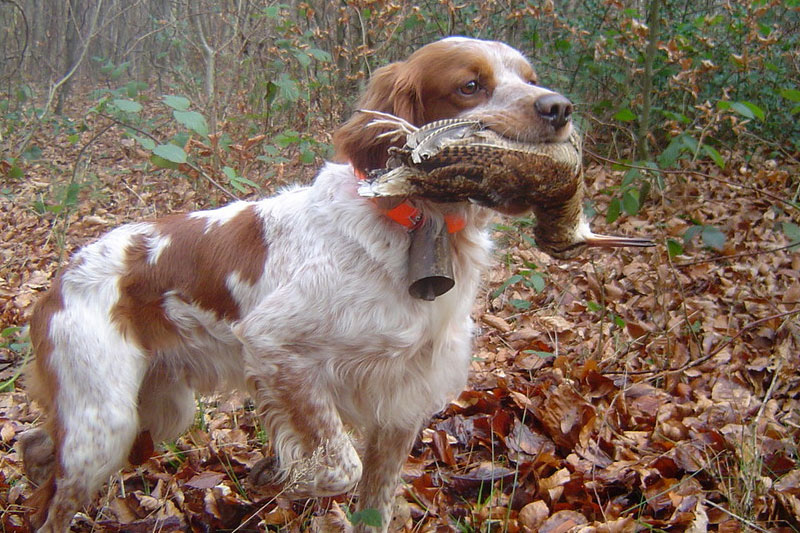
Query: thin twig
[(39, 117), (696, 362), (190, 165), (736, 516), (769, 392), (738, 256), (694, 173), (18, 66)]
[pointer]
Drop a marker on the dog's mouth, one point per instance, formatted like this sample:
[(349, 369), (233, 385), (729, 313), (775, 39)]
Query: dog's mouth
[(533, 135), (556, 144)]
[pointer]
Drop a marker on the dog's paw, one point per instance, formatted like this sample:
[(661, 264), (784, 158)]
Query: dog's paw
[(264, 473)]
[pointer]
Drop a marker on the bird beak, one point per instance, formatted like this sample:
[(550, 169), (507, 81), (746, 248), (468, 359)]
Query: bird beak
[(611, 241)]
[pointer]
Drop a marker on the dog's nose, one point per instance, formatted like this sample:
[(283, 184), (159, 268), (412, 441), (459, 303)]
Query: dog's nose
[(555, 109)]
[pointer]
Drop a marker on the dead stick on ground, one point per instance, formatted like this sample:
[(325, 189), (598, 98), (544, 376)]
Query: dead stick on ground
[(696, 362), (695, 173)]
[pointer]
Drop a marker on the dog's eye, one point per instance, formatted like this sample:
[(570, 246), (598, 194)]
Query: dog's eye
[(533, 82), (469, 88)]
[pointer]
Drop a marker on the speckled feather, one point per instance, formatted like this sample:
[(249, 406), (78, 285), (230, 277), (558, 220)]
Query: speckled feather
[(456, 160)]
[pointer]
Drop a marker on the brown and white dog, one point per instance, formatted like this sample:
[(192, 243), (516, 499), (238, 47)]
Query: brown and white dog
[(300, 299)]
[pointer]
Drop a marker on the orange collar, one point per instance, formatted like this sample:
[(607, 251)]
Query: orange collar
[(411, 217)]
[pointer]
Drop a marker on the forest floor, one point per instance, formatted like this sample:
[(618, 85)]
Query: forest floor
[(623, 391)]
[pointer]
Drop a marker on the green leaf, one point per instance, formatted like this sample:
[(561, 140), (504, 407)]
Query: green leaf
[(192, 120), (613, 211), (538, 353), (107, 67), (32, 154), (537, 282), (320, 55), (170, 152), (287, 137), (9, 331), (368, 517), (674, 248), (146, 142), (127, 106), (791, 94), (71, 194), (522, 305), (588, 209), (516, 278), (238, 182), (713, 237), (270, 93), (757, 111), (160, 162), (119, 70), (181, 138), (630, 175), (630, 202), (133, 88), (230, 173), (246, 181), (502, 227), (689, 142), (307, 157), (714, 155), (625, 115), (690, 233), (15, 173), (743, 110), (792, 231), (238, 186), (594, 307), (672, 152), (683, 119), (179, 103), (563, 45), (288, 88), (302, 58)]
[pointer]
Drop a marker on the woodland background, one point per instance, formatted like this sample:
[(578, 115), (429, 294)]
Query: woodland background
[(647, 390)]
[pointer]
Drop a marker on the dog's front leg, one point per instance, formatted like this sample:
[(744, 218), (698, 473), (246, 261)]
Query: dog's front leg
[(385, 454), (315, 455)]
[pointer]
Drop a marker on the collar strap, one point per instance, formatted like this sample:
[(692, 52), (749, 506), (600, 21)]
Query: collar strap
[(411, 217)]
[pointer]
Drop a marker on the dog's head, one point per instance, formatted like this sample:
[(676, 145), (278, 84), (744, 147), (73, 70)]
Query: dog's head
[(456, 77)]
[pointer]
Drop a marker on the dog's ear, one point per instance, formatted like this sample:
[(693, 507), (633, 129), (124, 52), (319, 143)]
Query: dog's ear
[(390, 90)]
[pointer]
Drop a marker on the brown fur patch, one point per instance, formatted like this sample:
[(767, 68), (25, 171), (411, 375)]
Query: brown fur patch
[(40, 501), (42, 384), (41, 379), (142, 449), (194, 266)]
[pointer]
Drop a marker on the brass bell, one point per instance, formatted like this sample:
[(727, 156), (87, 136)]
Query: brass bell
[(430, 266)]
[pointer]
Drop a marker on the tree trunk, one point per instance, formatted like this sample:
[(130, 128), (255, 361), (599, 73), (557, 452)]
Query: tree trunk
[(653, 23), (74, 16), (209, 58)]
